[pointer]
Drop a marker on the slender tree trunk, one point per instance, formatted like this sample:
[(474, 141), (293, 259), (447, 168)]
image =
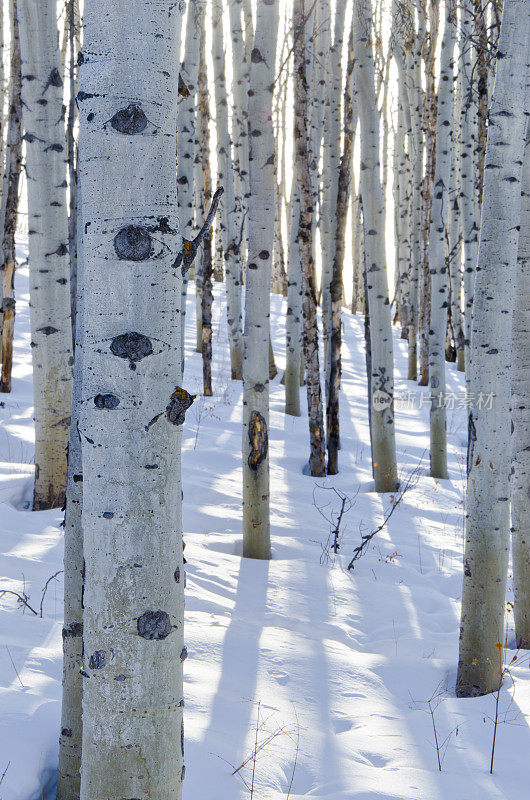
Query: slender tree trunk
[(488, 512), (256, 522), (131, 414), (206, 269), (468, 132), (382, 375), (71, 157), (49, 263), (521, 420), (10, 197), (229, 223), (317, 452), (186, 139), (293, 324), (343, 196), (202, 172), (437, 256), (70, 739)]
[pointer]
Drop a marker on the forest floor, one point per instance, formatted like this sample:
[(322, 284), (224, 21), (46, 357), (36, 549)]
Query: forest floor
[(333, 673)]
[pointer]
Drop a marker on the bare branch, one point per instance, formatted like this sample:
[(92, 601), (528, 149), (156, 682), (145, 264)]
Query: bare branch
[(189, 249)]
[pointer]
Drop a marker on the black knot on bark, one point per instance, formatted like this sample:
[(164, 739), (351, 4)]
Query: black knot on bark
[(133, 243), (256, 56), (154, 625), (133, 346), (130, 120), (258, 439), (109, 401), (98, 659)]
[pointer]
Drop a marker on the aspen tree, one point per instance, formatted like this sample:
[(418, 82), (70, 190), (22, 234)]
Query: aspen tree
[(317, 449), (186, 119), (293, 322), (10, 200), (240, 85), (229, 219), (436, 254), (488, 522), (256, 522), (343, 194), (49, 264), (133, 406), (521, 419), (382, 368)]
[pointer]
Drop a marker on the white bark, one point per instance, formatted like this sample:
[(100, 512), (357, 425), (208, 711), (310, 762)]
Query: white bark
[(256, 523), (488, 516), (454, 227), (130, 415), (521, 419), (436, 254), (382, 367), (186, 116), (293, 322), (240, 85), (49, 263), (468, 133), (229, 221)]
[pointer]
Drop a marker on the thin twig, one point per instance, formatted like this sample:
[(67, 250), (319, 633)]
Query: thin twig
[(20, 598), (46, 589), (14, 667)]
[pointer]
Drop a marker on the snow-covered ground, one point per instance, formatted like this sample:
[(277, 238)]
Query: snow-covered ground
[(338, 666)]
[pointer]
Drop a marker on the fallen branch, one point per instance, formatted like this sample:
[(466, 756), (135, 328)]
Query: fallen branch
[(21, 599), (189, 248), (396, 499)]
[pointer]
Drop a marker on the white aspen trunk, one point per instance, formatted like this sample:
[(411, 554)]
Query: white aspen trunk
[(202, 180), (186, 116), (240, 86), (70, 739), (468, 132), (131, 414), (358, 293), (416, 113), (488, 511), (331, 166), (402, 198), (436, 255), (49, 263), (521, 419), (256, 522), (229, 224), (293, 322), (454, 243), (10, 203), (382, 366)]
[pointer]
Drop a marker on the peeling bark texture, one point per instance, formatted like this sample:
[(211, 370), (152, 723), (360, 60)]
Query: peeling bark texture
[(382, 366), (230, 230), (343, 194), (49, 263), (487, 503), (133, 607), (10, 192), (186, 117), (70, 739), (302, 176), (436, 254), (293, 321), (521, 420), (256, 522)]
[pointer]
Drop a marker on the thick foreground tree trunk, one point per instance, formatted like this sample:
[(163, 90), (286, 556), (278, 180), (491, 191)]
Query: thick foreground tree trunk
[(49, 263), (488, 461), (256, 522), (521, 420), (133, 406)]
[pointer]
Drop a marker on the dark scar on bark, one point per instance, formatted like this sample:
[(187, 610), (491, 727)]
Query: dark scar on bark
[(97, 660), (133, 243), (175, 411), (129, 121), (154, 625), (54, 79), (258, 439), (109, 401), (133, 346)]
